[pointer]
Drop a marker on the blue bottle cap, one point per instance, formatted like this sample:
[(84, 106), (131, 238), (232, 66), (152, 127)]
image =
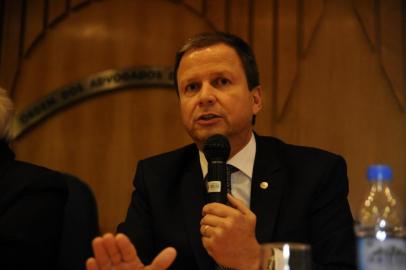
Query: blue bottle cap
[(379, 172)]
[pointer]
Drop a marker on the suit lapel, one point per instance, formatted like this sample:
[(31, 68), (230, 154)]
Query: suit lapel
[(193, 199), (268, 183)]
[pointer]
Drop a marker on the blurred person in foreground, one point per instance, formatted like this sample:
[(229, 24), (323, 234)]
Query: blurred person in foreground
[(39, 226), (280, 193)]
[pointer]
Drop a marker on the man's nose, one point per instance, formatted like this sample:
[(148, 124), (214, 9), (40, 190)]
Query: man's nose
[(207, 94)]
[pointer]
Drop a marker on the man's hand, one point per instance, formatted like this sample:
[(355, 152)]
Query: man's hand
[(118, 253), (228, 234)]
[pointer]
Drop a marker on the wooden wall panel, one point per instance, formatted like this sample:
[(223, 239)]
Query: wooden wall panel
[(264, 46), (196, 5), (56, 9), (216, 13), (34, 22), (102, 138), (11, 39), (367, 11), (343, 101), (310, 13), (287, 51), (239, 18), (78, 3), (392, 47)]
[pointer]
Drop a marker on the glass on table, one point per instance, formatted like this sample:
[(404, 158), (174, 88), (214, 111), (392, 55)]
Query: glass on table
[(285, 256)]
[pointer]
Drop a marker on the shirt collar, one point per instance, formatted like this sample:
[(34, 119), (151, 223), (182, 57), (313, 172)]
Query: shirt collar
[(243, 160)]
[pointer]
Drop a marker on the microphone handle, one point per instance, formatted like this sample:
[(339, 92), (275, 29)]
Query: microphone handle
[(217, 182)]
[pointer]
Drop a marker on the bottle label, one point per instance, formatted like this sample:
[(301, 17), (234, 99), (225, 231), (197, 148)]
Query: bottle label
[(374, 254)]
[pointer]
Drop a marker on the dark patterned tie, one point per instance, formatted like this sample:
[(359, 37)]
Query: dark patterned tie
[(230, 170)]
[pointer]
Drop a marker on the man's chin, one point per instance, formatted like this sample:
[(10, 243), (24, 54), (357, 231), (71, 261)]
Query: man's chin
[(202, 136)]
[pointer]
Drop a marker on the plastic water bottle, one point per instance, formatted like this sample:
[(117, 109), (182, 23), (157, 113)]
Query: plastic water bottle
[(381, 234)]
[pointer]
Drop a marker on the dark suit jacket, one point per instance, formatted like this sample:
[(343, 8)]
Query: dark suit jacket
[(306, 201), (41, 225), (31, 214), (80, 225)]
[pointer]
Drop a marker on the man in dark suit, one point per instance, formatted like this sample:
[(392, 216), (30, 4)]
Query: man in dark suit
[(32, 203), (280, 192), (41, 225)]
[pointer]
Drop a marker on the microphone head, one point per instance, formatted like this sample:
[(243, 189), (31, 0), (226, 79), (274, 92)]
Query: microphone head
[(216, 148)]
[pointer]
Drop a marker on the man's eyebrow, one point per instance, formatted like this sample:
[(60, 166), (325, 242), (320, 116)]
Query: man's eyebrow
[(188, 80), (216, 73), (192, 77), (226, 73)]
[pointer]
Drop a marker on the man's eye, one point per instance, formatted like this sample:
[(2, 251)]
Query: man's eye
[(222, 81), (192, 87)]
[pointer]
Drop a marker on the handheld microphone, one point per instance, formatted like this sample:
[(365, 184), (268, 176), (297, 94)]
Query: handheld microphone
[(216, 150)]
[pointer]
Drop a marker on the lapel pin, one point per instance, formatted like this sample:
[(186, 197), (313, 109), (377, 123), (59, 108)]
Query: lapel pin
[(263, 185)]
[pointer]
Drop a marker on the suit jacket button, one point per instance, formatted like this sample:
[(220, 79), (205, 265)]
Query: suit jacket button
[(263, 185)]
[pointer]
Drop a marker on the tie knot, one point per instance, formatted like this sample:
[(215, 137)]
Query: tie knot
[(231, 169)]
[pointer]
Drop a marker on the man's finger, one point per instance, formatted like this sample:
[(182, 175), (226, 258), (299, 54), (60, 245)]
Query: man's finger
[(100, 253), (207, 243), (164, 259), (218, 209), (212, 220), (112, 248), (127, 250), (204, 230), (238, 204), (91, 264)]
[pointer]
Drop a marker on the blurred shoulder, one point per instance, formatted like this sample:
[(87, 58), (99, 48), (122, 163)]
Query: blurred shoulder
[(24, 175)]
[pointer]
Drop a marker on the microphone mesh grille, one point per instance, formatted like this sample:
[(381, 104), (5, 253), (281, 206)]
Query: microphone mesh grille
[(216, 148)]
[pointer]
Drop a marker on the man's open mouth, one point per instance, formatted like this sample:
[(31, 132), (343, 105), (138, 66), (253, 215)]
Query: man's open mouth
[(208, 117)]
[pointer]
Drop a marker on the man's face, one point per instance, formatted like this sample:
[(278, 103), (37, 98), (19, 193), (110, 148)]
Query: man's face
[(214, 95)]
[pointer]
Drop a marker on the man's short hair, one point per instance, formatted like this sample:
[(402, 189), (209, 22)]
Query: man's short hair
[(207, 39)]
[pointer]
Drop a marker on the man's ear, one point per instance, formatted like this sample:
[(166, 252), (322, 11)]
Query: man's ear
[(256, 94)]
